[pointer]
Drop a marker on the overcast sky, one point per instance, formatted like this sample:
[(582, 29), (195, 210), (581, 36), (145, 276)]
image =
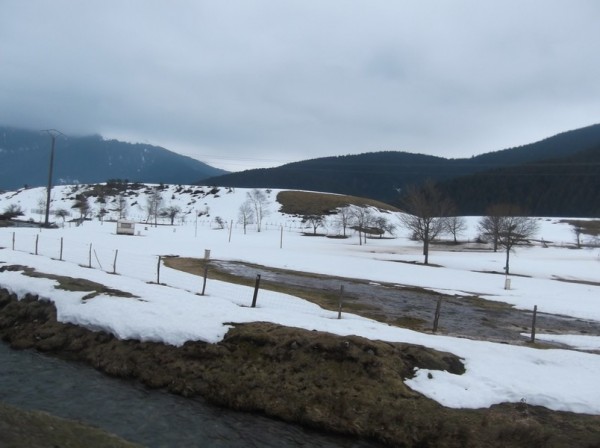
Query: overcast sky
[(242, 84)]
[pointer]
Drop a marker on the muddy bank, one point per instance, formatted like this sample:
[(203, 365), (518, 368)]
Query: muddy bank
[(349, 385)]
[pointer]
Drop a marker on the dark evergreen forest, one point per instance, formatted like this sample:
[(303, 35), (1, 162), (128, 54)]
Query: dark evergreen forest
[(566, 187), (557, 176)]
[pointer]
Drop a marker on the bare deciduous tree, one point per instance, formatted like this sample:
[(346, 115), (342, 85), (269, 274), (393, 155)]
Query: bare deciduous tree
[(120, 205), (512, 227), (383, 225), (455, 226), (82, 204), (260, 202), (577, 231), (246, 214), (489, 225), (62, 214), (220, 222), (171, 212), (362, 218), (153, 203), (102, 213), (425, 216), (343, 219), (41, 207), (12, 211), (315, 221)]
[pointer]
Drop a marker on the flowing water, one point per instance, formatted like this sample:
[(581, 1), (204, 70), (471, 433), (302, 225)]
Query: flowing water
[(30, 380), (460, 316)]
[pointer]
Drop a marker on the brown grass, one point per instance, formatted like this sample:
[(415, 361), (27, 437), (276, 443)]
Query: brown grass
[(311, 203), (345, 384), (328, 300), (591, 228), (70, 283)]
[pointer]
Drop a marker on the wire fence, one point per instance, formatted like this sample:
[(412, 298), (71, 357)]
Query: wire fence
[(151, 269)]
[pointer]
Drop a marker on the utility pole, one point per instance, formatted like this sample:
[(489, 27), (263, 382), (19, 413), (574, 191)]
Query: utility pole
[(53, 133)]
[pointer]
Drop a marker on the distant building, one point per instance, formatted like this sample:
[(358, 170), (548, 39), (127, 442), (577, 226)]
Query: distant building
[(125, 227)]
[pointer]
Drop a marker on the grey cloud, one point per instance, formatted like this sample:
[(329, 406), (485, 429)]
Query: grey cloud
[(271, 82)]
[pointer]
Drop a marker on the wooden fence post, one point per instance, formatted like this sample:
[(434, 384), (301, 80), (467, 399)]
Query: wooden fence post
[(533, 324), (158, 270), (436, 319), (61, 249), (37, 238), (341, 301), (90, 257), (98, 260), (115, 262), (205, 277), (256, 286), (13, 241)]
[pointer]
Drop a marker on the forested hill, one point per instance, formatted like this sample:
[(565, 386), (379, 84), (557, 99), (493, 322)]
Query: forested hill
[(558, 146), (568, 187), (375, 175), (382, 175), (24, 157)]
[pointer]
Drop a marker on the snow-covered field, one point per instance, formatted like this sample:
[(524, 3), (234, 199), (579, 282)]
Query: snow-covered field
[(557, 379)]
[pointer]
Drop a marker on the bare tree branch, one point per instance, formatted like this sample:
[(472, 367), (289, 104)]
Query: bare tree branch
[(426, 214)]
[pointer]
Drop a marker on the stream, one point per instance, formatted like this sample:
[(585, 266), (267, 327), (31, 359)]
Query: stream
[(152, 418)]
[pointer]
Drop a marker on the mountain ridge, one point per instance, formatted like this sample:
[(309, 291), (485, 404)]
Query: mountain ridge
[(25, 154), (538, 176), (384, 175)]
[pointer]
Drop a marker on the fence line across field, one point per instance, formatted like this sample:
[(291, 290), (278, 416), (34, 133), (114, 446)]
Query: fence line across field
[(148, 268), (151, 269)]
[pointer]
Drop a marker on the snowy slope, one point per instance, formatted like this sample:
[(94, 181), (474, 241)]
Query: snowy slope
[(565, 379)]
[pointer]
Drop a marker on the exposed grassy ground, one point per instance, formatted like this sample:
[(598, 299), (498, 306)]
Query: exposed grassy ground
[(328, 300), (70, 283), (346, 384), (587, 227), (310, 203)]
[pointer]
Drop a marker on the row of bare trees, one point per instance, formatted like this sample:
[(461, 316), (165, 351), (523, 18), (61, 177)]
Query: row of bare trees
[(429, 215), (360, 219)]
